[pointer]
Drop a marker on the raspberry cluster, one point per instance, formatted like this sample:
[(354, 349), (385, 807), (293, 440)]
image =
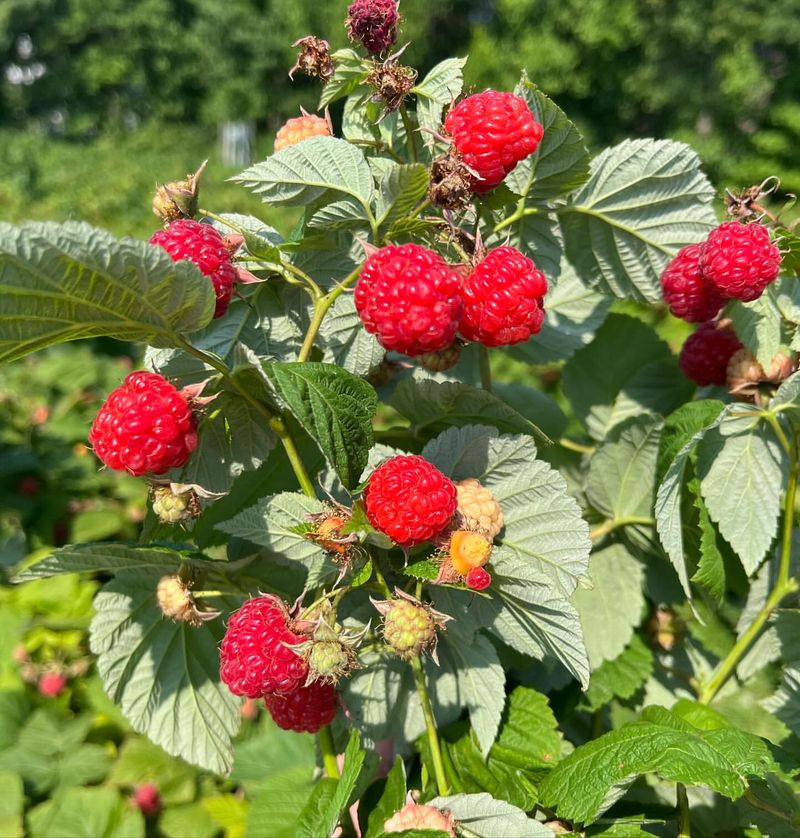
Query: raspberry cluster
[(203, 245), (737, 261), (410, 500), (145, 427), (492, 132)]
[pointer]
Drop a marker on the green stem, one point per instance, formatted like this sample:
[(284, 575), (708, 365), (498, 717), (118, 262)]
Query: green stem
[(684, 825), (328, 751), (571, 445), (412, 145), (614, 524), (784, 585), (321, 307), (485, 367), (275, 422), (379, 578), (430, 725), (776, 426), (519, 213)]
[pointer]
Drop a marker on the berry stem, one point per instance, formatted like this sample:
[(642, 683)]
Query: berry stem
[(275, 422), (430, 725), (321, 307), (328, 751), (412, 145), (615, 523), (785, 584), (485, 367), (684, 824)]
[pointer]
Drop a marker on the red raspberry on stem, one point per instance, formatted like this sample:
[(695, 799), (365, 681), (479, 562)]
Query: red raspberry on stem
[(306, 709), (203, 245), (148, 799), (705, 354), (409, 297), (301, 128), (410, 500), (255, 658), (492, 132), (740, 260), (478, 579), (503, 299), (52, 684), (145, 427), (373, 23), (687, 292)]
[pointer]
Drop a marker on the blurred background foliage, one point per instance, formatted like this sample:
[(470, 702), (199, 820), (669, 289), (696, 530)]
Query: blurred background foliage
[(99, 99)]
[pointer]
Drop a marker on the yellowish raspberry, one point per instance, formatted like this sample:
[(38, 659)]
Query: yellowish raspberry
[(301, 128), (468, 550), (478, 508), (419, 816)]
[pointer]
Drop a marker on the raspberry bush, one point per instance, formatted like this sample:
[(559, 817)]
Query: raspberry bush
[(442, 477)]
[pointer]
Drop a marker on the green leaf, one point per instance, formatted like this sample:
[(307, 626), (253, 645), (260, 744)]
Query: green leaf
[(370, 690), (669, 523), (614, 361), (758, 326), (12, 803), (620, 678), (529, 737), (539, 236), (533, 404), (620, 482), (281, 798), (785, 703), (437, 405), (318, 170), (596, 774), (351, 771), (561, 163), (402, 188), (349, 71), (334, 407), (742, 469), (62, 282), (481, 683), (441, 86), (392, 800), (278, 523), (86, 813), (344, 340), (484, 817), (109, 557), (228, 811), (573, 313), (645, 199), (613, 607), (164, 675), (681, 426), (140, 761), (710, 571)]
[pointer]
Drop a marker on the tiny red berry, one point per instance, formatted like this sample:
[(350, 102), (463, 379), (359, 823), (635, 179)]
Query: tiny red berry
[(307, 709), (705, 354), (687, 292), (148, 799), (301, 128), (478, 579), (203, 245), (410, 298), (492, 132), (145, 427), (255, 655), (373, 23), (410, 500), (503, 299), (52, 684), (740, 260)]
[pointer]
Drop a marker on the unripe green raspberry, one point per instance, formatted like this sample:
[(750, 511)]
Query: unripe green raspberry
[(177, 603), (409, 626), (169, 507), (328, 659)]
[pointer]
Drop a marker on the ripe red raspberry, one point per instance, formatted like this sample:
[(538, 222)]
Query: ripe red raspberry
[(740, 260), (255, 658), (478, 579), (492, 132), (301, 128), (687, 292), (148, 799), (306, 709), (503, 299), (145, 426), (409, 297), (705, 354), (203, 245), (410, 500), (373, 23), (51, 684)]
